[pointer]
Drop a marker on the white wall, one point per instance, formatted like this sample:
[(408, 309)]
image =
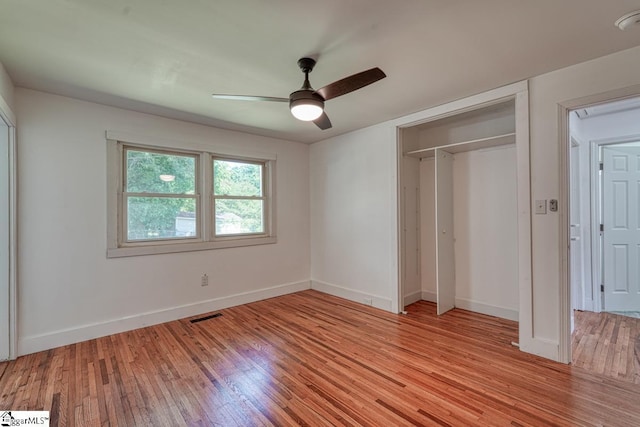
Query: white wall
[(352, 257), (485, 216), (546, 93), (70, 291), (484, 123), (353, 216)]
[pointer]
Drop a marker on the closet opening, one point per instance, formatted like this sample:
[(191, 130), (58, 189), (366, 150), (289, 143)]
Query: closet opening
[(464, 235)]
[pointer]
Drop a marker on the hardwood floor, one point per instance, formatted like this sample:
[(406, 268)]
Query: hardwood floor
[(607, 344), (312, 359)]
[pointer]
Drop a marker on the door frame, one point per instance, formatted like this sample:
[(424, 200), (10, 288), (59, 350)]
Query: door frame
[(595, 205), (576, 167), (519, 92), (564, 138), (10, 119)]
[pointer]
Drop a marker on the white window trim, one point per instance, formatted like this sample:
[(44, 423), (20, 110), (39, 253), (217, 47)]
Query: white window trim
[(116, 245)]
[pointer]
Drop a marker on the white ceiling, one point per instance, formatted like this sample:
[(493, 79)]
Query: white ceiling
[(167, 56)]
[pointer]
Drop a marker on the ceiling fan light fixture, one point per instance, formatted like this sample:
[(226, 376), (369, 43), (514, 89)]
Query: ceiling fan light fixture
[(305, 105), (306, 111), (631, 19)]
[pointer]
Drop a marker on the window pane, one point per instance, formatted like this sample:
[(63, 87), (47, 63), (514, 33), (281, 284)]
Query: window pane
[(235, 178), (160, 218), (160, 173), (239, 216)]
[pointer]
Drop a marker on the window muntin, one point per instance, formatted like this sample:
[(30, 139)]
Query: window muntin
[(239, 201), (160, 197)]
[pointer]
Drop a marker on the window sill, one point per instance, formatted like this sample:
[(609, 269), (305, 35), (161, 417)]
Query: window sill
[(187, 247)]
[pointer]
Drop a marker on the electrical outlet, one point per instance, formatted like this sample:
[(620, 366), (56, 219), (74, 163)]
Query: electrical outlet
[(368, 301), (205, 280)]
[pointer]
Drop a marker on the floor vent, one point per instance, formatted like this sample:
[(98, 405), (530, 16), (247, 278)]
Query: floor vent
[(200, 319)]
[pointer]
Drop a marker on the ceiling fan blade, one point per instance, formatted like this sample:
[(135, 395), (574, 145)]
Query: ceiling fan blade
[(323, 121), (351, 83), (249, 98)]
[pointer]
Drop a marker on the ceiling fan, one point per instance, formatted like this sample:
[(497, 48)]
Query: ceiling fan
[(307, 104)]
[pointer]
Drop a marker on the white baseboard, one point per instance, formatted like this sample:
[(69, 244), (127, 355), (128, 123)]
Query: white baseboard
[(412, 297), (35, 343), (429, 296), (482, 308), (352, 295)]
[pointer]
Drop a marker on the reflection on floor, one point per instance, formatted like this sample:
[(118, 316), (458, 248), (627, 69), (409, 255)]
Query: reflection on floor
[(607, 344)]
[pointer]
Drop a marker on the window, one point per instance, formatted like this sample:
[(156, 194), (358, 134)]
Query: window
[(159, 195), (173, 200), (238, 197)]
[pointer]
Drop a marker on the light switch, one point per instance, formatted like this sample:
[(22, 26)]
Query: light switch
[(541, 207)]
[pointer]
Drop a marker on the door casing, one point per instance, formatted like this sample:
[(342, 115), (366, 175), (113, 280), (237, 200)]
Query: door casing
[(7, 116)]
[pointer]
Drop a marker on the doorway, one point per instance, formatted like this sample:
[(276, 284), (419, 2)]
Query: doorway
[(479, 130), (604, 165), (604, 230)]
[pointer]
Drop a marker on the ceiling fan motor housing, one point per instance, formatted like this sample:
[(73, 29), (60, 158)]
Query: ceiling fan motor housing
[(306, 95)]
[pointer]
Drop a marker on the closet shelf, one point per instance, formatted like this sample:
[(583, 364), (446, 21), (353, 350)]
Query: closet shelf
[(459, 147)]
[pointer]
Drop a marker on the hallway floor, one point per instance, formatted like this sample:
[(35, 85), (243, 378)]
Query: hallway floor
[(607, 344)]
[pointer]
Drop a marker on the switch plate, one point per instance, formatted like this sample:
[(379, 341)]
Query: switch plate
[(541, 207)]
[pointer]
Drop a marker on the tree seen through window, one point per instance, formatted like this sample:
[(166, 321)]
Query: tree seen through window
[(238, 197), (160, 190)]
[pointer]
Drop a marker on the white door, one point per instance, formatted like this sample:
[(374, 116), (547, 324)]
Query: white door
[(445, 266), (411, 240), (4, 240), (621, 188)]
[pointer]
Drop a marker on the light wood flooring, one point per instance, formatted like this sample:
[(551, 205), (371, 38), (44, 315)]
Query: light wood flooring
[(607, 344), (312, 359)]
